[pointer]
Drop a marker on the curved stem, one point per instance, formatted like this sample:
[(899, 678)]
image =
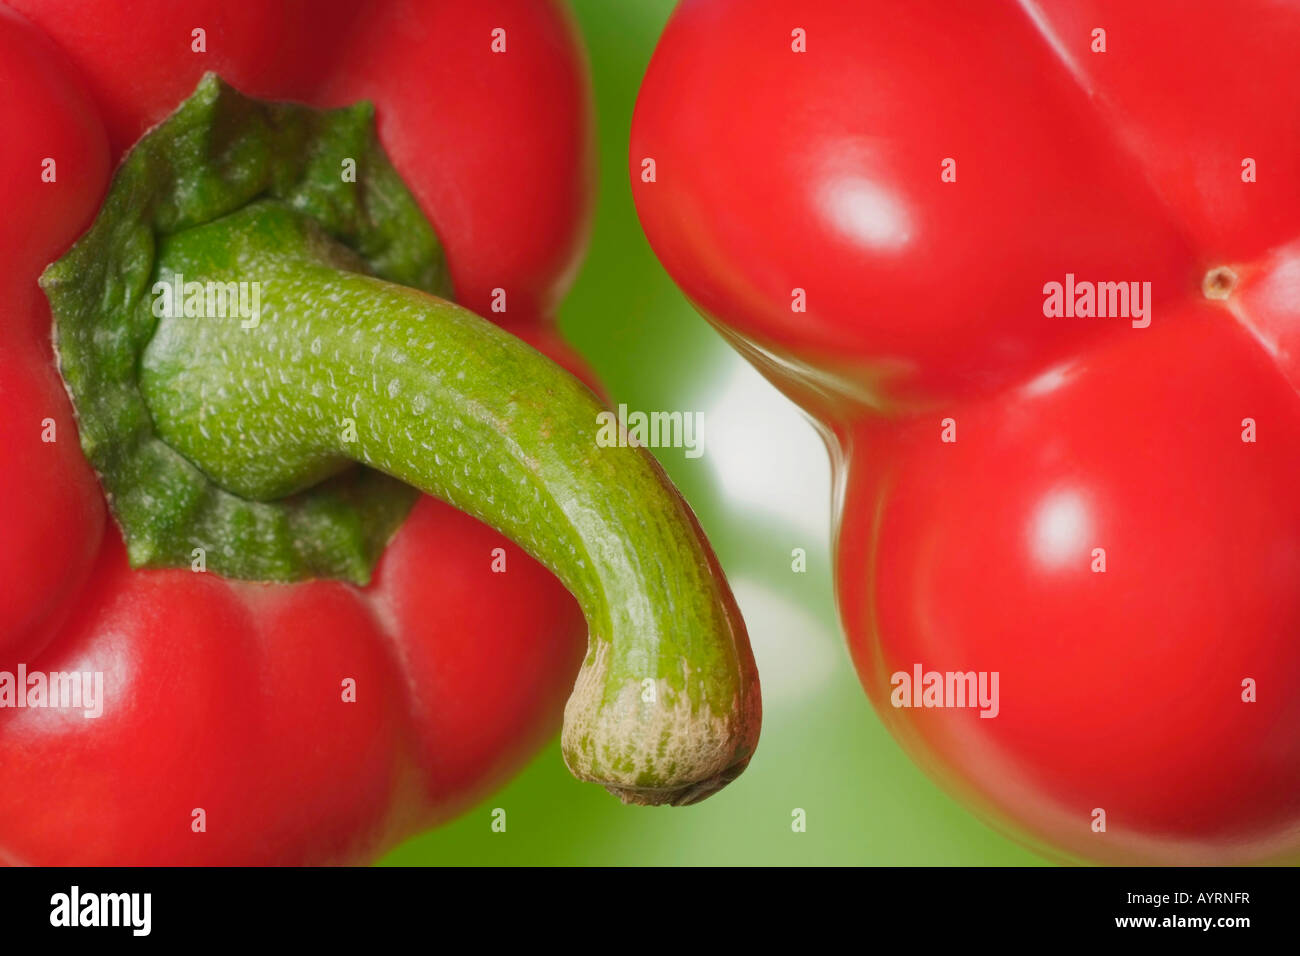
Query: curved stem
[(338, 367)]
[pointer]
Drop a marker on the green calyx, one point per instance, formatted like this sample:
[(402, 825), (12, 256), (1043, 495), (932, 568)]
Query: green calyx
[(217, 153), (265, 366)]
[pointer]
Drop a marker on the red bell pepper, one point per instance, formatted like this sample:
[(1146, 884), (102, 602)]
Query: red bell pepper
[(915, 217), (280, 682)]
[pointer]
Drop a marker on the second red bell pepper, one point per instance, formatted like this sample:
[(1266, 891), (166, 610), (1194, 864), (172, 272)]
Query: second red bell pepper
[(1068, 539)]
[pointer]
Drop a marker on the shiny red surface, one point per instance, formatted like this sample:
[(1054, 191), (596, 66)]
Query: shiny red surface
[(1120, 690)]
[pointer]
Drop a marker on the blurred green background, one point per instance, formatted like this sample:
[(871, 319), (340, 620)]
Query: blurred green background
[(761, 489)]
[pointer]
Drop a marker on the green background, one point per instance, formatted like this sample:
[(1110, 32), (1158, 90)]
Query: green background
[(761, 489)]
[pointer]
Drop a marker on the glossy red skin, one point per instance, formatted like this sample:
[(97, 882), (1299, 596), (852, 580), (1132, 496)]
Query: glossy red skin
[(1119, 690), (228, 696)]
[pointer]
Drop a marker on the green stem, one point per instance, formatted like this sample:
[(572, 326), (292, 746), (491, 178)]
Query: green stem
[(342, 367), (286, 441)]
